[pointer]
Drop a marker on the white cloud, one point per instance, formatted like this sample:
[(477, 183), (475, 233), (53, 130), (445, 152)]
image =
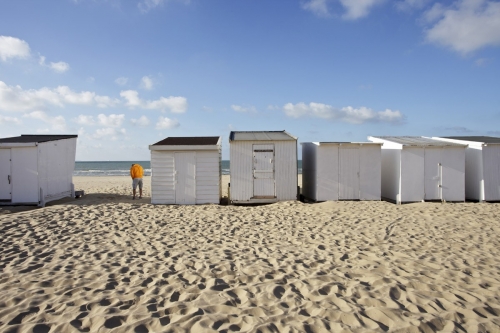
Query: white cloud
[(11, 47), (465, 26), (146, 83), (84, 120), (14, 98), (239, 108), (358, 8), (273, 107), (481, 62), (57, 123), (121, 81), (112, 133), (143, 121), (409, 5), (175, 104), (11, 120), (59, 67), (318, 7), (355, 9), (147, 5), (346, 114), (113, 120), (166, 123)]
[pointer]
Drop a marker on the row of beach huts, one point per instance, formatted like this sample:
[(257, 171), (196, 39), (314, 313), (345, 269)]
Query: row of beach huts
[(35, 169)]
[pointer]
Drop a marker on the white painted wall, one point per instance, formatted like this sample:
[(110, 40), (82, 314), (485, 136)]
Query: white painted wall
[(241, 155), (347, 171), (391, 174), (45, 169), (370, 172), (56, 163), (24, 170), (163, 177), (208, 177), (491, 171)]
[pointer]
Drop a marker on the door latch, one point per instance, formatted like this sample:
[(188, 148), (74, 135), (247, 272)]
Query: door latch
[(8, 178)]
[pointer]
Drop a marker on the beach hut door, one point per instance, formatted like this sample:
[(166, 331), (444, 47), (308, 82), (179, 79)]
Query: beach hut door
[(348, 173), (433, 173), (263, 171), (5, 175), (185, 178), (24, 179)]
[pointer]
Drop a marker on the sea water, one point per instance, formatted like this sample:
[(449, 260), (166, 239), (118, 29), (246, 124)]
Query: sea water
[(122, 168)]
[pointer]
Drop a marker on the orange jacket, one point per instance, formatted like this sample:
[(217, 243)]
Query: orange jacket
[(136, 171)]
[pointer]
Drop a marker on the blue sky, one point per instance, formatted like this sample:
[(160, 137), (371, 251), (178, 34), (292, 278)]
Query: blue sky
[(124, 74)]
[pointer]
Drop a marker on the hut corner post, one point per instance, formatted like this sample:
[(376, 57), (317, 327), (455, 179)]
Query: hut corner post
[(41, 203), (72, 190)]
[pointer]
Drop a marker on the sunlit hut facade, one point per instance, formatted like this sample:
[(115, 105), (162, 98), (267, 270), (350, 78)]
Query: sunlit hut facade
[(186, 170), (419, 169), (482, 166), (263, 166), (36, 169), (341, 170)]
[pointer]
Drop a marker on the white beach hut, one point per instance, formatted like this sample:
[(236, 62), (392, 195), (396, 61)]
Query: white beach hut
[(186, 170), (482, 166), (418, 169), (36, 169), (341, 170), (263, 167)]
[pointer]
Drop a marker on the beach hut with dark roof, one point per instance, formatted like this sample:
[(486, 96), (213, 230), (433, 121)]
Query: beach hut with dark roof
[(186, 170), (482, 166), (36, 169), (263, 166), (421, 169), (341, 170)]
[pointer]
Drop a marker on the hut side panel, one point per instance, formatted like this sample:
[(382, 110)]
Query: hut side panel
[(207, 177), (309, 162), (286, 170), (453, 174), (162, 177), (328, 173), (391, 174), (491, 167), (348, 173), (24, 171), (370, 172), (56, 163), (241, 155), (412, 174), (474, 181)]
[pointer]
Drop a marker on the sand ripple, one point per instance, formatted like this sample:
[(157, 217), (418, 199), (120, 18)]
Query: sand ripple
[(127, 266)]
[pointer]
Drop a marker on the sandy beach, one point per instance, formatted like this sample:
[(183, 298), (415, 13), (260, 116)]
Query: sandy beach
[(107, 263)]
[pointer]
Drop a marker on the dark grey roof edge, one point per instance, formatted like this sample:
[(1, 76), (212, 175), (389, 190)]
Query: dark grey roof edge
[(26, 138), (232, 133), (480, 139), (188, 141)]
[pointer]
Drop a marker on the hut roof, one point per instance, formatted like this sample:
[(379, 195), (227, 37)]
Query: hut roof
[(261, 136), (483, 139), (29, 138), (418, 141), (188, 141)]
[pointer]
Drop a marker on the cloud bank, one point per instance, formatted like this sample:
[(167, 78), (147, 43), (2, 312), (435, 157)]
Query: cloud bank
[(346, 114), (465, 26)]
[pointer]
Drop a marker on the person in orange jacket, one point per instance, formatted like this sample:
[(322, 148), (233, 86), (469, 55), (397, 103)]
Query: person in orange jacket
[(136, 172)]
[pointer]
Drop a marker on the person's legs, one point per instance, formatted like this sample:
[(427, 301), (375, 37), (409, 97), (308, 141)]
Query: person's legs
[(134, 187), (140, 188)]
